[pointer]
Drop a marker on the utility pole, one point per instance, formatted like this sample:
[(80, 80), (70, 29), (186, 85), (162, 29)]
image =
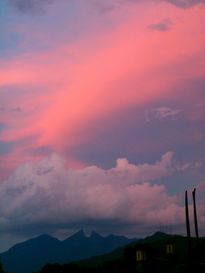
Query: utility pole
[(195, 214), (187, 222)]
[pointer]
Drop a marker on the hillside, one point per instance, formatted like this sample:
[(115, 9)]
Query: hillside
[(157, 260)]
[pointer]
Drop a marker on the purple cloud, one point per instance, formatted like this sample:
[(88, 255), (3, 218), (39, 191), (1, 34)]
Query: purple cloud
[(29, 5)]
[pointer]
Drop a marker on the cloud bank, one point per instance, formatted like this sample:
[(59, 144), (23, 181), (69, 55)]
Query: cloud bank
[(46, 195)]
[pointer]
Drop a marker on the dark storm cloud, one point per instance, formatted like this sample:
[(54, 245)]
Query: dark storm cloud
[(27, 6)]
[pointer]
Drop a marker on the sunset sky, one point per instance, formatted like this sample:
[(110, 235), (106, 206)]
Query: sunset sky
[(102, 116)]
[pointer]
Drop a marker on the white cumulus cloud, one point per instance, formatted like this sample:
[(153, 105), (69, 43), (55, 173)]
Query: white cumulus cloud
[(46, 194)]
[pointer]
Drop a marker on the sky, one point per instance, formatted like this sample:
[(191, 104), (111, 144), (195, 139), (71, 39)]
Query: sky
[(102, 117)]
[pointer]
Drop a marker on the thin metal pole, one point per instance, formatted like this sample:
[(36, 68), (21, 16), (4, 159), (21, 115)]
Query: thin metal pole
[(187, 221)]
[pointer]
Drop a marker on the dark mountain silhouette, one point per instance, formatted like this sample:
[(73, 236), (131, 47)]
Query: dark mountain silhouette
[(123, 259), (31, 255), (157, 236), (157, 240)]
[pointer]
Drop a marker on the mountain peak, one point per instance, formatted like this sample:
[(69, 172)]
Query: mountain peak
[(157, 236), (159, 233), (95, 235), (79, 234), (44, 236)]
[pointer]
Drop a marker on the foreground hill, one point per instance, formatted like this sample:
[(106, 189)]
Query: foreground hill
[(31, 255), (157, 260), (157, 241)]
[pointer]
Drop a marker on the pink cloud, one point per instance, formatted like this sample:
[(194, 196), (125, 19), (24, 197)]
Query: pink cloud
[(75, 85)]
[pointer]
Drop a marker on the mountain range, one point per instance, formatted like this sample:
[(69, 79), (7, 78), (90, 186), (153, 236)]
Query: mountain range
[(32, 254), (96, 253)]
